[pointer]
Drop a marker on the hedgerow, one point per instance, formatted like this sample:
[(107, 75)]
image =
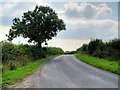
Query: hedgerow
[(15, 56)]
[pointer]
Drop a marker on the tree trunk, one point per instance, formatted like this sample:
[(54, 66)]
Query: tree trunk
[(39, 45), (42, 53)]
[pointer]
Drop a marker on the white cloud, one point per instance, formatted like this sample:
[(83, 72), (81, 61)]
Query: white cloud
[(17, 7), (20, 40), (86, 10), (82, 21), (103, 9), (6, 8), (11, 10), (84, 29), (3, 31), (67, 44), (1, 10)]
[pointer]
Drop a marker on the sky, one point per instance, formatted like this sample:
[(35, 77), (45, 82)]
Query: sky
[(84, 20)]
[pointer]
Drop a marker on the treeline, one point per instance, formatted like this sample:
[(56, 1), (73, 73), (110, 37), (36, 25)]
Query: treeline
[(15, 56), (98, 48), (70, 52), (53, 50)]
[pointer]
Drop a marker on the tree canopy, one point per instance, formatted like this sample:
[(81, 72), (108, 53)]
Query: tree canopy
[(38, 25)]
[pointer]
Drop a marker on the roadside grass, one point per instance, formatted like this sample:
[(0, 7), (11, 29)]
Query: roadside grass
[(105, 64), (11, 77)]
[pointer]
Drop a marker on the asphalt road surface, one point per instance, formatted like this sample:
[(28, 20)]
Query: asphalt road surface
[(68, 72)]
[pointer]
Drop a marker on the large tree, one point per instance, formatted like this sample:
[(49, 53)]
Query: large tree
[(38, 25)]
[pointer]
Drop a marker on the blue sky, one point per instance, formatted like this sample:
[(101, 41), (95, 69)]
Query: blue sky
[(84, 20)]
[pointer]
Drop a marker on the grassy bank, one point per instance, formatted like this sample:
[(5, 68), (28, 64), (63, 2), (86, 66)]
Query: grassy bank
[(105, 64), (11, 77)]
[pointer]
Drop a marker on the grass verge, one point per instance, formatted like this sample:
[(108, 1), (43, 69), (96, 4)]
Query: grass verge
[(11, 77), (105, 64)]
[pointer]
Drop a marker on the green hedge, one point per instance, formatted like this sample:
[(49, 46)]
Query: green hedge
[(98, 48), (15, 56)]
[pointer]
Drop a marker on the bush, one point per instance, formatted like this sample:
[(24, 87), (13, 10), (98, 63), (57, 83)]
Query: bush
[(54, 50), (102, 49), (12, 66), (70, 52), (15, 56)]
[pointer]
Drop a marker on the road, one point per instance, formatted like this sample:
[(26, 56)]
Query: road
[(68, 72)]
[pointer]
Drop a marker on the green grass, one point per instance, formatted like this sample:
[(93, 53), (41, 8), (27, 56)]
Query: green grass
[(105, 64), (11, 77)]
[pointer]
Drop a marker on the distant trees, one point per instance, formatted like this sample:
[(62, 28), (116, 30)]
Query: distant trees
[(38, 25), (70, 52), (54, 51), (102, 49)]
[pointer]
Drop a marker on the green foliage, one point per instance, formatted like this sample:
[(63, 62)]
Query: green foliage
[(98, 48), (70, 52), (54, 51), (105, 64), (38, 25), (95, 45), (15, 56), (20, 60), (12, 66)]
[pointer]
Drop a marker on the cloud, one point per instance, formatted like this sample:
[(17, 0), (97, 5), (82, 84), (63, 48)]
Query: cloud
[(103, 9), (21, 40), (86, 10), (10, 10), (1, 10), (3, 31), (6, 8), (85, 29), (83, 22), (67, 44)]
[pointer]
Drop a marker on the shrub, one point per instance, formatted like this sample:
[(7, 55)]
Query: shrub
[(15, 56), (102, 49)]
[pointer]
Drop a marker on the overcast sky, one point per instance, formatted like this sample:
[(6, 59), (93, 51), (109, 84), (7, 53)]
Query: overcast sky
[(83, 21)]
